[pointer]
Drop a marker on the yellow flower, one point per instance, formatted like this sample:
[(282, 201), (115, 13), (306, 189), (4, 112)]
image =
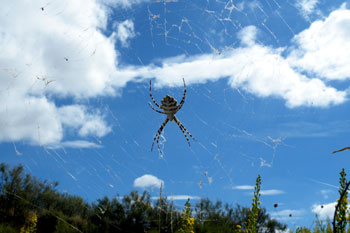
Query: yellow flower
[(191, 221), (238, 226)]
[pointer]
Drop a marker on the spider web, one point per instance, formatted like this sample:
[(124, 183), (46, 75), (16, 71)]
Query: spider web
[(84, 110)]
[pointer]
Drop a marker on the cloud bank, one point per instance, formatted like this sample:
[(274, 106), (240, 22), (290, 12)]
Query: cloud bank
[(271, 192), (63, 54), (324, 48), (255, 68), (244, 187), (58, 54), (266, 192), (286, 214), (179, 197)]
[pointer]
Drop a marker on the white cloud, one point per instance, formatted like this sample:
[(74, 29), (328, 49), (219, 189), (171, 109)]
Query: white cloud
[(271, 192), (325, 193), (243, 187), (123, 3), (325, 210), (74, 144), (267, 192), (182, 197), (148, 180), (286, 214), (179, 197), (248, 35), (65, 47), (22, 118), (125, 31), (306, 7), (76, 116), (94, 126), (257, 69), (324, 48), (287, 230), (60, 53)]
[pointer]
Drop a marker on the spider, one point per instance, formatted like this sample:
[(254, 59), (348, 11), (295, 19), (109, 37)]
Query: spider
[(170, 107)]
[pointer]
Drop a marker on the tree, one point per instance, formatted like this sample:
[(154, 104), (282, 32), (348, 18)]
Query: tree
[(254, 211), (187, 221), (339, 220), (35, 206)]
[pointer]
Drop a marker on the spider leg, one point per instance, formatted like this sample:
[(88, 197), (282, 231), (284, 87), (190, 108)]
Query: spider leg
[(345, 148), (183, 129), (160, 151), (155, 109), (150, 94), (182, 126), (183, 132), (158, 134), (183, 97)]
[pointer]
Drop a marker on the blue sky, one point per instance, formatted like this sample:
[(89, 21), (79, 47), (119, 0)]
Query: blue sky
[(267, 93)]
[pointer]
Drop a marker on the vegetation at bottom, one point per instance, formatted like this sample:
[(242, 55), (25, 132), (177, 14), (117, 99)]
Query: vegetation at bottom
[(28, 205)]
